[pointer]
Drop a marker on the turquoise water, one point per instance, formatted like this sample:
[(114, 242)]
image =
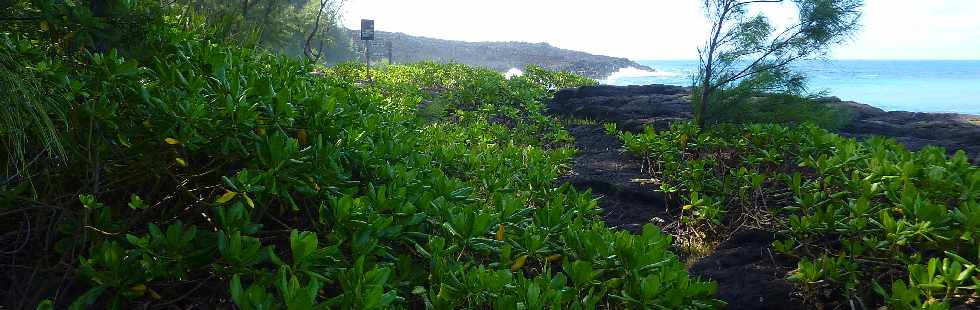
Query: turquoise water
[(919, 86)]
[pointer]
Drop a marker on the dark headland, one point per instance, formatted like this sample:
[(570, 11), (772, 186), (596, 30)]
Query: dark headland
[(499, 56)]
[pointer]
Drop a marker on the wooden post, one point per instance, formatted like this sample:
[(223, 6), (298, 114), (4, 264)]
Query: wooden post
[(367, 34), (388, 46), (367, 58)]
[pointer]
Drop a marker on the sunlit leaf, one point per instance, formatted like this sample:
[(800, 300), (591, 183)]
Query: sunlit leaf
[(226, 197)]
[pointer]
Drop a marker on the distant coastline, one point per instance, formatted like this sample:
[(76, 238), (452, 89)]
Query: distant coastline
[(499, 56), (930, 86)]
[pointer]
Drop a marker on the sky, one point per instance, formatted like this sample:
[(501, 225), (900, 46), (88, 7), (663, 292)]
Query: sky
[(668, 29)]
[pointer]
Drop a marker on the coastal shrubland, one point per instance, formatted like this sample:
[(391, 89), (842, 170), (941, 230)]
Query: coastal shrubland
[(188, 168), (871, 223), (781, 108), (200, 173)]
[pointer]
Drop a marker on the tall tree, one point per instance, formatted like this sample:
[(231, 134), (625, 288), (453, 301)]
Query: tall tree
[(745, 52), (326, 17), (299, 28)]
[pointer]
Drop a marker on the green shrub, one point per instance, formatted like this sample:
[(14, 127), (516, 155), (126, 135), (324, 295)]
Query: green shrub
[(862, 217), (219, 175), (30, 102), (782, 109)]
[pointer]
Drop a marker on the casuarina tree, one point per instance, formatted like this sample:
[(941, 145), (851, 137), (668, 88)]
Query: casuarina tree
[(746, 54)]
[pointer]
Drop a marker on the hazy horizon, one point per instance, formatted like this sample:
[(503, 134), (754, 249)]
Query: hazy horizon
[(662, 30)]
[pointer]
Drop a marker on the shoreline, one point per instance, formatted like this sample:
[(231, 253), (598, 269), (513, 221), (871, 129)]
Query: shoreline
[(892, 85), (604, 82), (658, 105)]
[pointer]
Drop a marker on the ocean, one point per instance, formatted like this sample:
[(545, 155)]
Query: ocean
[(907, 85)]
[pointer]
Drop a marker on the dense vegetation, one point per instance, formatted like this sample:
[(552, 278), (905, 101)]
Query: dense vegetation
[(870, 222), (201, 174), (298, 28), (177, 164)]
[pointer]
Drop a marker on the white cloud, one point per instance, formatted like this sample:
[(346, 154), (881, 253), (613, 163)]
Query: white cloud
[(667, 29)]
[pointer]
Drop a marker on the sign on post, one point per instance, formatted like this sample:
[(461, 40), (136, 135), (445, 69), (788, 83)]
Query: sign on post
[(367, 34), (367, 29)]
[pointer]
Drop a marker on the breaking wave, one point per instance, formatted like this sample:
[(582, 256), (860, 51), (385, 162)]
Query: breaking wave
[(632, 73), (513, 72)]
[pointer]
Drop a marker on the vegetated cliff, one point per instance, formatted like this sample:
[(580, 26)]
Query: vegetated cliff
[(500, 56)]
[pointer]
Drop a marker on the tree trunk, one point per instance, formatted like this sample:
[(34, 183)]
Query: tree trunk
[(307, 48), (703, 106), (706, 83), (706, 87)]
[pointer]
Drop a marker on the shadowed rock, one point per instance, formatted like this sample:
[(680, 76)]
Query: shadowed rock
[(914, 129), (630, 107)]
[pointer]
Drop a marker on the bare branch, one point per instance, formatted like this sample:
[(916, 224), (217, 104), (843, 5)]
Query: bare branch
[(741, 3), (307, 49), (775, 47)]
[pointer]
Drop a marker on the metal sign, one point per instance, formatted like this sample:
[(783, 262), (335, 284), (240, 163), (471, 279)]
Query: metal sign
[(367, 29)]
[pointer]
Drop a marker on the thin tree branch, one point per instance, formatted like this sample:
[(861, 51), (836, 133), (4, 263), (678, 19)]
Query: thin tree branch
[(774, 47), (307, 49), (741, 3)]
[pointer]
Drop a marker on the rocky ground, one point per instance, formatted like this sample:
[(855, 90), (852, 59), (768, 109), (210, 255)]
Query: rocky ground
[(915, 130), (749, 276)]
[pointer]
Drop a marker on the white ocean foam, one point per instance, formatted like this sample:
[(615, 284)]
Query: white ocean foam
[(633, 72), (513, 72)]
